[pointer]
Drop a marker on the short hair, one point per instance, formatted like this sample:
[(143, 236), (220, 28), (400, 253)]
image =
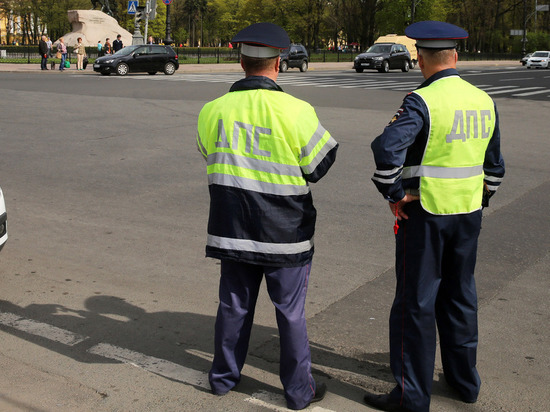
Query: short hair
[(80, 38), (256, 64), (437, 56)]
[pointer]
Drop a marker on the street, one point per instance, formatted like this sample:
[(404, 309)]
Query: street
[(107, 302)]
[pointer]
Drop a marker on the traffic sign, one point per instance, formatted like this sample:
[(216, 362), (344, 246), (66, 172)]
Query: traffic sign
[(132, 6), (167, 2)]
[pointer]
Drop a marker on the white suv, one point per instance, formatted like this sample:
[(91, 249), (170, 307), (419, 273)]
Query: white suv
[(539, 59), (3, 221)]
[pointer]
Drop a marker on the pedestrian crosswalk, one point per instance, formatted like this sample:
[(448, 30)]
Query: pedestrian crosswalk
[(346, 82)]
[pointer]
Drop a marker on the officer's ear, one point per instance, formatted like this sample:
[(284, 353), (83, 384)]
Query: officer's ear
[(277, 63)]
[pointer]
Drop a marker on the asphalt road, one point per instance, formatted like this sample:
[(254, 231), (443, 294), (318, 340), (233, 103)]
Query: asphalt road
[(107, 302)]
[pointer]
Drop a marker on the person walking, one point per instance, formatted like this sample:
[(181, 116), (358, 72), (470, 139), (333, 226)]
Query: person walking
[(62, 49), (80, 51), (437, 163), (44, 52), (262, 147)]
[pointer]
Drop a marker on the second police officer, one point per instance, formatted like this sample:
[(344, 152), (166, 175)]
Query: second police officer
[(437, 161)]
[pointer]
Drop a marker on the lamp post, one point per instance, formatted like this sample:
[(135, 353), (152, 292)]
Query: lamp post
[(168, 40)]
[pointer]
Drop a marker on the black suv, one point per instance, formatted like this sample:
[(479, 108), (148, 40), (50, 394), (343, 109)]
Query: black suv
[(150, 58), (383, 57), (294, 56)]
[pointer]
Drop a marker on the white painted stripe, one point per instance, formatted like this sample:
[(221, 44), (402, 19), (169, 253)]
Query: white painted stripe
[(496, 87), (531, 93), (514, 90), (43, 330), (275, 402), (151, 364)]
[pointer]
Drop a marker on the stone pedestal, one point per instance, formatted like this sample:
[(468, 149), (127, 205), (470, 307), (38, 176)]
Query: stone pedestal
[(94, 26)]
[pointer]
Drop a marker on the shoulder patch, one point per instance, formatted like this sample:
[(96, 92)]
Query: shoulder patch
[(396, 116)]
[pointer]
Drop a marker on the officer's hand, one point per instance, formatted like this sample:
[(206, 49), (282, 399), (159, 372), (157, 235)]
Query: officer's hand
[(397, 208)]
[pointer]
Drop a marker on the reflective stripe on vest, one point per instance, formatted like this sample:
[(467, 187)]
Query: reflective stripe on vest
[(462, 121), (259, 247)]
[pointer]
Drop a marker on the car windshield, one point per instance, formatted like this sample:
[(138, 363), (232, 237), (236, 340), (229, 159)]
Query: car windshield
[(540, 54), (126, 51), (379, 48)]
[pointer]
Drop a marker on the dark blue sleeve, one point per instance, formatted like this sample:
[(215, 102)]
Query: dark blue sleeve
[(493, 166), (390, 148)]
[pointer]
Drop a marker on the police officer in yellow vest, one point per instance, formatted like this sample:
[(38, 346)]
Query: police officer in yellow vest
[(262, 148), (436, 163)]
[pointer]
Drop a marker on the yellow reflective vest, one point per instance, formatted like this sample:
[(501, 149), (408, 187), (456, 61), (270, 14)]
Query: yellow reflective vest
[(262, 147), (451, 171)]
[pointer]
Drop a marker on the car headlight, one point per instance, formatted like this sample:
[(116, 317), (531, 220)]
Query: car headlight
[(378, 58), (109, 61)]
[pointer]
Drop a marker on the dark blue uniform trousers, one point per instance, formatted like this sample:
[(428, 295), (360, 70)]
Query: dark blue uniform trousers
[(239, 287), (435, 260)]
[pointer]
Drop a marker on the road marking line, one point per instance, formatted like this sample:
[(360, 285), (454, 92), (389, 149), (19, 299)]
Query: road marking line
[(514, 90), (43, 330), (151, 364), (531, 93), (497, 87), (275, 402)]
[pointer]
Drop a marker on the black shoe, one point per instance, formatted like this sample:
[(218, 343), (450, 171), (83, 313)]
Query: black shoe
[(320, 392), (383, 403)]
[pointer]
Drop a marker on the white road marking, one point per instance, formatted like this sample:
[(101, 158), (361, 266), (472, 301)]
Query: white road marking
[(497, 87), (151, 364), (531, 93), (158, 366), (43, 330), (515, 90)]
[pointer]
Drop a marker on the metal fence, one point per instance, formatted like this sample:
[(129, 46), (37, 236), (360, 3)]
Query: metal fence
[(211, 55)]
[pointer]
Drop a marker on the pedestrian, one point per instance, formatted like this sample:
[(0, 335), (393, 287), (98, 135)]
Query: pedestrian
[(437, 163), (262, 147), (107, 48), (99, 48), (49, 43), (80, 51), (62, 49), (150, 40), (43, 51), (117, 44)]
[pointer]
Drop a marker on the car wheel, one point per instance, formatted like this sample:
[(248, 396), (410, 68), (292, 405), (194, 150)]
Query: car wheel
[(413, 64), (122, 69), (385, 67), (405, 68), (284, 66), (169, 68), (303, 67), (359, 70), (152, 73)]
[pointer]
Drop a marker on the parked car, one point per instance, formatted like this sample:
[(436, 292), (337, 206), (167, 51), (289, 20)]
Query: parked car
[(539, 59), (383, 57), (3, 221), (294, 56), (149, 58), (409, 43), (524, 59)]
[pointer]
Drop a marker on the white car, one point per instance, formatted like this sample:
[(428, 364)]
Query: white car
[(539, 59), (3, 221)]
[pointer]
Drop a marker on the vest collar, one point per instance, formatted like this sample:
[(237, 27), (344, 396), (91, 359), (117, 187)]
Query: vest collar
[(254, 83), (439, 75)]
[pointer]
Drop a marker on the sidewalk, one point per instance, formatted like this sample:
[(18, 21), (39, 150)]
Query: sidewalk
[(235, 67)]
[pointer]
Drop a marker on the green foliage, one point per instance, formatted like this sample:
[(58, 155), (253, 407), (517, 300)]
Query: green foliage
[(315, 23)]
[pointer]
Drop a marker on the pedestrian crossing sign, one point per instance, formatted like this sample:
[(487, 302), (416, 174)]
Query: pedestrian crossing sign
[(132, 6)]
